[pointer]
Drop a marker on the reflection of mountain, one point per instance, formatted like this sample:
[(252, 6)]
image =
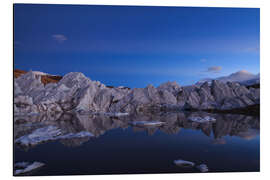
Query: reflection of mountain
[(246, 127)]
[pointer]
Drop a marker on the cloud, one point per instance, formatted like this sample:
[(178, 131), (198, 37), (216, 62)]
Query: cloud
[(203, 60), (59, 37), (253, 49), (214, 69)]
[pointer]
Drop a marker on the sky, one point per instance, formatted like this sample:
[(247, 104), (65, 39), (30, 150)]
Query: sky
[(136, 46)]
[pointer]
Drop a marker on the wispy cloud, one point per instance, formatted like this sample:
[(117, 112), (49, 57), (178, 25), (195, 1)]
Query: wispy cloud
[(203, 60), (253, 49), (214, 69), (59, 37)]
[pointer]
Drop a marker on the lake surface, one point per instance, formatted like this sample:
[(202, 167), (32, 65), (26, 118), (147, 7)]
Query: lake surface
[(231, 144)]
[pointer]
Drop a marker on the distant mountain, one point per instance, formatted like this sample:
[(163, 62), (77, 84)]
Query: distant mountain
[(243, 77)]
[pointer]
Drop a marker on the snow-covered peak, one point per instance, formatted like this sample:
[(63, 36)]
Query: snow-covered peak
[(239, 76), (39, 73)]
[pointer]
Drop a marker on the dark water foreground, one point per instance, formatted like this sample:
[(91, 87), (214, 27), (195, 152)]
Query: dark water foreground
[(231, 144)]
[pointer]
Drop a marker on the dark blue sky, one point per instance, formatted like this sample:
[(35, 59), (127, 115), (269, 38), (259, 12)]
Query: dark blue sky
[(136, 46)]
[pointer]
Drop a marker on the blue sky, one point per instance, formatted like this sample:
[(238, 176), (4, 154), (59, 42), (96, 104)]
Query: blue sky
[(136, 46)]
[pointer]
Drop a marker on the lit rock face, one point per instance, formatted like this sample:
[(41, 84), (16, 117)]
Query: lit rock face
[(221, 96), (75, 92), (144, 100)]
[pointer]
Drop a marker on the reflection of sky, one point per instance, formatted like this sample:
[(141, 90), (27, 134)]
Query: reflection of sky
[(135, 46), (125, 151)]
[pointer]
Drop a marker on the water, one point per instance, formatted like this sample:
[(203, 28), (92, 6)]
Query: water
[(231, 144)]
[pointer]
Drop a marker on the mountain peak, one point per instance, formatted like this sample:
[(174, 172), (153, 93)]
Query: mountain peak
[(239, 76), (242, 73)]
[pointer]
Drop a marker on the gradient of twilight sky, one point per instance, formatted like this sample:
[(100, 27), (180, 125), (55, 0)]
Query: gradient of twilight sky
[(137, 46)]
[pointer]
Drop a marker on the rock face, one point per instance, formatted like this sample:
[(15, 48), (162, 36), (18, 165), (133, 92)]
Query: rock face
[(75, 92), (221, 96)]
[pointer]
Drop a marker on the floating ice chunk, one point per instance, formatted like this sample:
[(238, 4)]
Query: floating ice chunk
[(202, 168), (24, 167), (21, 164), (39, 135), (147, 123), (47, 134), (76, 135), (111, 114), (202, 119), (183, 163)]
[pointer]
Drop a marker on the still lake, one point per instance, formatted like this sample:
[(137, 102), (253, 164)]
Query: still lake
[(230, 144)]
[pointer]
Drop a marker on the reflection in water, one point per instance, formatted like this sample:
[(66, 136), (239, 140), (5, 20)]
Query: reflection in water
[(242, 126), (231, 143)]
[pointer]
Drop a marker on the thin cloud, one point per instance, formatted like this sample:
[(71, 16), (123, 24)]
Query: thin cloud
[(203, 60), (214, 69), (253, 49), (59, 37)]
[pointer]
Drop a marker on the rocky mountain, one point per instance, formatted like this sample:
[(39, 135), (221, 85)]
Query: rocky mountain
[(244, 77), (76, 92)]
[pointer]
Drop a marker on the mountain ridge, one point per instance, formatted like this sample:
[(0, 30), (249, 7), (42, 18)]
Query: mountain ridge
[(76, 92), (244, 77)]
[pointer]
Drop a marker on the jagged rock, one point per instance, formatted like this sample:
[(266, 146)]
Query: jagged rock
[(29, 83), (24, 105), (171, 87), (167, 98), (17, 89), (207, 101), (221, 91), (75, 92)]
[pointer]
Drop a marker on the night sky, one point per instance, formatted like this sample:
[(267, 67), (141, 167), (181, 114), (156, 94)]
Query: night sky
[(136, 46)]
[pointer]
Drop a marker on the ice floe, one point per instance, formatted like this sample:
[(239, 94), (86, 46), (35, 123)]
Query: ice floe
[(202, 168), (189, 164), (47, 134), (24, 167), (183, 163)]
